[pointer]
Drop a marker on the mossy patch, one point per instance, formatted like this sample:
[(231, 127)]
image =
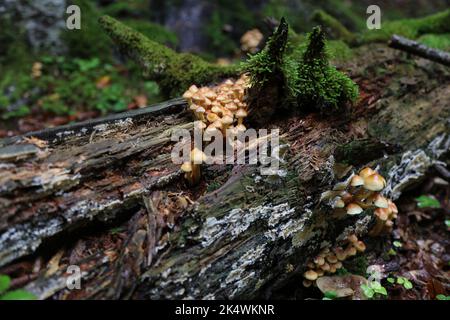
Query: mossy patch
[(437, 41), (173, 71), (303, 74), (410, 28)]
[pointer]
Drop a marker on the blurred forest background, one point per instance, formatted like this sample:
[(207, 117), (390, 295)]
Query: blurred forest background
[(51, 76)]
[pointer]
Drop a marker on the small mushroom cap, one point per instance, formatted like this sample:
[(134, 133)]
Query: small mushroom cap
[(353, 209), (374, 182), (197, 156), (364, 173), (193, 88), (186, 167), (346, 196), (307, 283), (218, 124), (357, 181), (193, 107), (211, 95), (360, 246), (380, 202), (382, 213), (325, 267), (319, 260), (216, 109), (331, 258), (197, 98), (187, 95), (227, 120), (231, 106), (199, 125), (392, 206), (351, 251), (311, 275), (212, 117), (200, 110), (338, 203), (352, 238), (241, 113), (241, 127)]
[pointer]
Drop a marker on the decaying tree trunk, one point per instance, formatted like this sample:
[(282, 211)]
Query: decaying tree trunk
[(237, 235)]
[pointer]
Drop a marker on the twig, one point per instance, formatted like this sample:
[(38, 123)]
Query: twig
[(419, 49)]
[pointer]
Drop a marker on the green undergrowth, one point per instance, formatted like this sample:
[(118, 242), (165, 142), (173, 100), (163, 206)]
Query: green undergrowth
[(67, 86)]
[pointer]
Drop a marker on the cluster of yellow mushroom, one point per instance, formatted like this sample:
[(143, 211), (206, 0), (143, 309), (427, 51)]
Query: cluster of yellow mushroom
[(329, 261), (362, 192), (36, 70), (218, 109)]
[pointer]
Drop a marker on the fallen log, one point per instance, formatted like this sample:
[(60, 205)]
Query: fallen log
[(238, 234), (418, 49)]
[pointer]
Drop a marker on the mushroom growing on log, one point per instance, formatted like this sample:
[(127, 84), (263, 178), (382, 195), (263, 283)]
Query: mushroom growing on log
[(232, 236)]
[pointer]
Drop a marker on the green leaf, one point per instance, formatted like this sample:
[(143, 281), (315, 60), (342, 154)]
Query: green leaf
[(400, 280), (447, 223), (427, 202), (391, 280), (392, 252), (18, 295), (407, 284), (5, 282), (397, 244), (442, 297), (375, 285), (382, 291), (330, 295), (368, 291)]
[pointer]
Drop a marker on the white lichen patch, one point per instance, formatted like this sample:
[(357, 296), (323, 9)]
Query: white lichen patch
[(238, 221), (239, 276), (413, 166)]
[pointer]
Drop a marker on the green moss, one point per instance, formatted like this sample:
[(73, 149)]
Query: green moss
[(296, 76), (320, 85), (153, 31), (173, 71), (332, 26), (438, 41), (410, 28)]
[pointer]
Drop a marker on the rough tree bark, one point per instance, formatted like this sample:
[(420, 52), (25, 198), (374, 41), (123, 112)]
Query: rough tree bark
[(243, 235)]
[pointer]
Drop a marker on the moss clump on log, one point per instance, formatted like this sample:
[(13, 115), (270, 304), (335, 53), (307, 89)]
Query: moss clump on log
[(301, 76), (320, 85), (174, 72)]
